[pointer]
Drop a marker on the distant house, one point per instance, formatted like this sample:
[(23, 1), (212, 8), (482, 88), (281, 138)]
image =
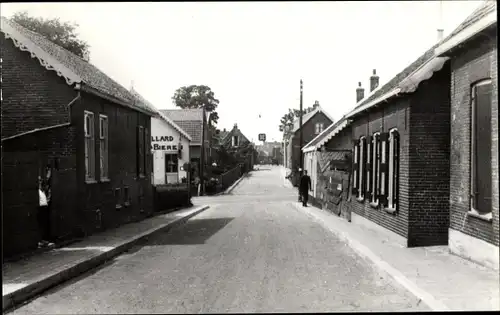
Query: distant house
[(234, 139), (84, 135), (313, 123), (170, 148), (194, 122), (474, 183)]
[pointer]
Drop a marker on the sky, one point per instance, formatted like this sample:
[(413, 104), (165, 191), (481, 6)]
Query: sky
[(253, 54)]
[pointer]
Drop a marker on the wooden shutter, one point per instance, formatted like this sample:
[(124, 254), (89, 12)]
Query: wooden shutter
[(138, 154), (369, 167), (355, 168), (483, 144), (363, 162), (395, 173), (384, 169)]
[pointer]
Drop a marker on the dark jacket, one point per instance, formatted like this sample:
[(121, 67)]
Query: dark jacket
[(305, 183)]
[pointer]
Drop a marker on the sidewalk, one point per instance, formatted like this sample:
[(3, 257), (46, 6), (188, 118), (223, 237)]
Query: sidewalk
[(25, 279), (441, 280)]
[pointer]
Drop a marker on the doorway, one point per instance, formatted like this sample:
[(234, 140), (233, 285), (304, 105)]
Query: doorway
[(171, 169)]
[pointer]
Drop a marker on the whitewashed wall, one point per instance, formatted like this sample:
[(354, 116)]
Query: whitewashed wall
[(161, 134)]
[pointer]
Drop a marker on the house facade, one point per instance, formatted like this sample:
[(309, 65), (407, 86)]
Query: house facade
[(313, 123), (194, 122), (83, 135), (234, 139), (170, 147), (474, 183)]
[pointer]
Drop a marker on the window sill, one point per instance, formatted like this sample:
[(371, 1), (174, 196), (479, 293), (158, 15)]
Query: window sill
[(360, 200), (118, 207), (105, 180), (90, 181), (126, 204), (485, 217), (390, 210), (142, 176), (374, 205)]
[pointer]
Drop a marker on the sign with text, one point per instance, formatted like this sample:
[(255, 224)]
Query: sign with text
[(262, 137), (163, 143)]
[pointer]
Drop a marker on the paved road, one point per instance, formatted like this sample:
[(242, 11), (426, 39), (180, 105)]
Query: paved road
[(257, 255)]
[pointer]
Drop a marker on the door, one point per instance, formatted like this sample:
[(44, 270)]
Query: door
[(171, 169)]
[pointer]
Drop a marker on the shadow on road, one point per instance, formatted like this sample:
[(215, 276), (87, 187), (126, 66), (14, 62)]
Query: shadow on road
[(194, 232)]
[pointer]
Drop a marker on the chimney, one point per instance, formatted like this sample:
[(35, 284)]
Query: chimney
[(374, 80), (224, 129), (316, 104), (235, 126), (440, 30), (360, 93)]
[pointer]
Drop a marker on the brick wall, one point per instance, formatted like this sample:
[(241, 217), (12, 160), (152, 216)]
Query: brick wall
[(33, 97), (478, 60), (393, 115), (429, 168), (97, 201)]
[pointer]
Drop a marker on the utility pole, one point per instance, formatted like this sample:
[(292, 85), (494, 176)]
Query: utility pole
[(301, 132)]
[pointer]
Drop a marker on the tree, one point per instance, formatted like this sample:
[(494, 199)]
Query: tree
[(198, 96), (60, 33)]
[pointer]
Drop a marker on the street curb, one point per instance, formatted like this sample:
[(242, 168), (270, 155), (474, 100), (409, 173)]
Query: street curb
[(424, 296), (17, 297), (228, 191)]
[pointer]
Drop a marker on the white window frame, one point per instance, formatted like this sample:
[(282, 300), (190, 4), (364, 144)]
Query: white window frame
[(472, 148), (89, 135), (375, 167), (392, 150), (361, 194), (368, 178), (104, 147), (235, 141)]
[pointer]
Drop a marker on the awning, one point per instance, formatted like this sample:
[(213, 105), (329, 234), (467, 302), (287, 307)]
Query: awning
[(425, 72)]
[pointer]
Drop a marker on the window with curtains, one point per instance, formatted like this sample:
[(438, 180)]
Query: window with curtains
[(393, 173), (481, 148), (103, 147), (89, 146)]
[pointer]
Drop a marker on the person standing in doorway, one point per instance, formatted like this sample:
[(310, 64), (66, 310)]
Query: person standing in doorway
[(304, 187), (44, 208)]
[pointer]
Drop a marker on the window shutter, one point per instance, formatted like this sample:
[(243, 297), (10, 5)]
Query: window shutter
[(147, 152), (369, 167), (138, 143), (355, 169), (363, 144), (384, 169), (395, 134)]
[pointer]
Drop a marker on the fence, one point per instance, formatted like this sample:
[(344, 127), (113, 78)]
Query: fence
[(229, 177)]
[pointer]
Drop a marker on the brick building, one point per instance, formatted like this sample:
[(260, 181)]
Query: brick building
[(313, 123), (472, 49), (84, 134)]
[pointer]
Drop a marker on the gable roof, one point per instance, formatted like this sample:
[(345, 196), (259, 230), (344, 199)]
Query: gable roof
[(307, 117), (484, 16), (77, 72), (190, 120), (228, 136), (184, 114), (169, 121), (326, 135)]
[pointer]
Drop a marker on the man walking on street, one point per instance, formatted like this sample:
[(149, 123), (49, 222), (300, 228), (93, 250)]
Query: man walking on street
[(304, 187)]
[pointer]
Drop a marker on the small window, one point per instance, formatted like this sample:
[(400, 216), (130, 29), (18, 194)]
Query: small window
[(103, 146), (235, 141), (89, 146), (318, 128)]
